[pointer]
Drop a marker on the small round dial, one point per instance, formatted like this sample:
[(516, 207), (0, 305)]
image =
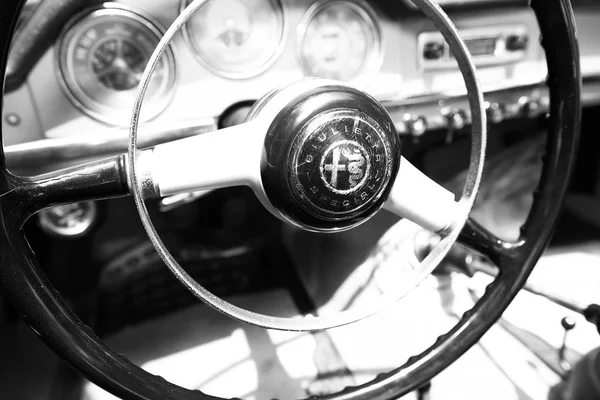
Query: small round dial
[(118, 64), (102, 56), (340, 40), (237, 38)]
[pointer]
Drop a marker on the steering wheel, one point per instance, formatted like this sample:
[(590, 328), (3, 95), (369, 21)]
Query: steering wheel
[(321, 156)]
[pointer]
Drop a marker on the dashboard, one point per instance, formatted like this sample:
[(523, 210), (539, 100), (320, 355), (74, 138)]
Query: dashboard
[(102, 53), (234, 51)]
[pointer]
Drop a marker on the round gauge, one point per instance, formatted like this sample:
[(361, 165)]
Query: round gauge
[(237, 38), (102, 55), (70, 220), (340, 40)]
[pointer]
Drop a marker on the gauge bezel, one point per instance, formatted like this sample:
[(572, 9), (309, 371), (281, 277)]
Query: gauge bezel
[(45, 222), (279, 5), (77, 95), (374, 60)]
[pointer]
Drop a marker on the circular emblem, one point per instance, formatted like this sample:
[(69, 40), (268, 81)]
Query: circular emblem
[(341, 164), (345, 166)]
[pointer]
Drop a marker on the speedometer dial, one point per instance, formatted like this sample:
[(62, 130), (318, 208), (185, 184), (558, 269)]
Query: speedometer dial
[(340, 40), (101, 59), (237, 38)]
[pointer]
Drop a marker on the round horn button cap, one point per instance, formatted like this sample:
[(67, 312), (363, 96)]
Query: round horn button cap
[(330, 158), (340, 162)]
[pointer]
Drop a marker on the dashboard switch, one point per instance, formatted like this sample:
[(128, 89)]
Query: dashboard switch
[(12, 119), (433, 51), (495, 112), (517, 42), (416, 126), (529, 107), (456, 120)]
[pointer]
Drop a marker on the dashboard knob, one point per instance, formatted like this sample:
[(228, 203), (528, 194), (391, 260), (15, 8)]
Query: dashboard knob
[(495, 112), (567, 323), (517, 42), (433, 51), (530, 107), (416, 126), (455, 118)]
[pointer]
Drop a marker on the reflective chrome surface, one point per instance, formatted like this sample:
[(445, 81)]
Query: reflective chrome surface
[(71, 220), (55, 153)]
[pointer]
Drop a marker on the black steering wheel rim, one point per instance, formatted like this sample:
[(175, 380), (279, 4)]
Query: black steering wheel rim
[(25, 285)]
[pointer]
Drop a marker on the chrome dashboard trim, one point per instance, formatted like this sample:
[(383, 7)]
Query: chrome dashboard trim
[(54, 151), (469, 3), (185, 32), (459, 93), (499, 33), (57, 151)]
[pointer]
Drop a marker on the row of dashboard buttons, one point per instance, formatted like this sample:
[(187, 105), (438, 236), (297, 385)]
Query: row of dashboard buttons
[(455, 118)]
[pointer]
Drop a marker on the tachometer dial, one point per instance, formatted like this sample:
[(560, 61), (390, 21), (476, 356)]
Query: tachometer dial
[(101, 58), (340, 40), (237, 38)]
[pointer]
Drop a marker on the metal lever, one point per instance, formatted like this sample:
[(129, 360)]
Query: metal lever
[(456, 120), (568, 324), (468, 262), (424, 392)]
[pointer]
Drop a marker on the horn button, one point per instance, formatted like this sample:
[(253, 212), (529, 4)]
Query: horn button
[(330, 159), (339, 164)]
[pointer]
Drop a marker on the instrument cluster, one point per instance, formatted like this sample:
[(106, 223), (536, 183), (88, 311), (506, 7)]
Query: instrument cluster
[(103, 51)]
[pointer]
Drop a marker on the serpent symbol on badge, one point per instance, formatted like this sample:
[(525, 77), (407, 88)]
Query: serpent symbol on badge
[(345, 166)]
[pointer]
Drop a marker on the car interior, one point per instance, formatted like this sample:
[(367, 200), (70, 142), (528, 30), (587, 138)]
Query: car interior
[(289, 199)]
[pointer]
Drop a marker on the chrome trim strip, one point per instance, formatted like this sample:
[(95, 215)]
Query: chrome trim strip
[(54, 151), (500, 56), (508, 85), (46, 152)]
